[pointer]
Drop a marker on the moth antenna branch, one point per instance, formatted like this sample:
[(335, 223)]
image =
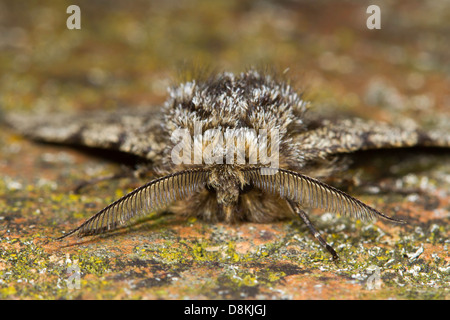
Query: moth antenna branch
[(151, 196), (296, 187)]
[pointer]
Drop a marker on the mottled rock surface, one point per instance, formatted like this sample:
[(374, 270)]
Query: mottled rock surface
[(127, 54)]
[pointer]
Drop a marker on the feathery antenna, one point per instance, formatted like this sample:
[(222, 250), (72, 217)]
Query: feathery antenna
[(154, 195), (308, 191)]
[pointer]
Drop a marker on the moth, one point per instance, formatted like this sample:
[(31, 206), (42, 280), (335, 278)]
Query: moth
[(218, 187)]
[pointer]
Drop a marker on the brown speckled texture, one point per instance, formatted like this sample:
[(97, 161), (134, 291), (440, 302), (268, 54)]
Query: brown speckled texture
[(125, 55)]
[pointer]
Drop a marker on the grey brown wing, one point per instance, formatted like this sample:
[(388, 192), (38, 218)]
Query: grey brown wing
[(351, 135), (134, 131)]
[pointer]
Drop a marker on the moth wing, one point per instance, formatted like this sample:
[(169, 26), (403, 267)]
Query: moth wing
[(134, 131), (351, 135)]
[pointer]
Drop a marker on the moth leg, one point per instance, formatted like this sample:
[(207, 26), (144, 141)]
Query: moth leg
[(302, 214), (86, 183), (126, 172)]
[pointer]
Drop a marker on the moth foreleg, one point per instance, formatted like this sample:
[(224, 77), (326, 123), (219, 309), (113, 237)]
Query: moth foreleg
[(302, 214), (125, 172)]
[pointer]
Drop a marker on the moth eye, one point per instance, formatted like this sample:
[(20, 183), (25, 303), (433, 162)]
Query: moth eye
[(246, 188)]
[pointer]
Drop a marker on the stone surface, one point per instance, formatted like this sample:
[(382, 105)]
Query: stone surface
[(126, 55)]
